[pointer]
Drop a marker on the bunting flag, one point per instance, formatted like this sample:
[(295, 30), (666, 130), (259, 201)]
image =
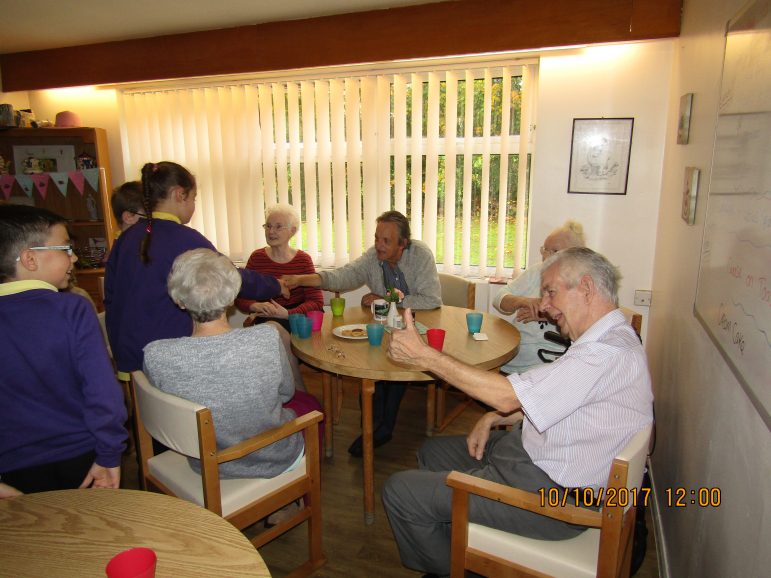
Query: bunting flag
[(77, 179), (25, 182), (92, 176), (6, 184), (61, 181), (41, 183)]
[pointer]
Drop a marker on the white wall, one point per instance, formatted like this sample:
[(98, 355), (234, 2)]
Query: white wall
[(19, 100), (630, 80), (97, 107), (709, 434)]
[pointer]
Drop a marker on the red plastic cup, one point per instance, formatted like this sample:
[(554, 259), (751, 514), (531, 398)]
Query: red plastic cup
[(132, 563), (435, 338), (317, 317)]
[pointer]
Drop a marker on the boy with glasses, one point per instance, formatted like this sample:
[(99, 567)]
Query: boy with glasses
[(62, 416)]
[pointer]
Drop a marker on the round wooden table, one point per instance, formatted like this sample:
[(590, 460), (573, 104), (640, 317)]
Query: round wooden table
[(75, 533), (356, 358)]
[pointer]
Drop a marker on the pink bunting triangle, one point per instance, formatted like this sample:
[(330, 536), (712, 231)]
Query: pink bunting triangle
[(41, 183), (61, 181), (6, 185), (25, 182), (78, 180)]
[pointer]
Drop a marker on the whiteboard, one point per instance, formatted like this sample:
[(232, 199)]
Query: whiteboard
[(733, 299)]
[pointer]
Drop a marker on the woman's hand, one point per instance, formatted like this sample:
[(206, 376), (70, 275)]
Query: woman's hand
[(269, 309), (529, 310)]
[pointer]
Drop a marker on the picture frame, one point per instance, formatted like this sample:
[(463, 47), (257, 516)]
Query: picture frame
[(35, 159), (690, 191), (684, 118), (600, 151)]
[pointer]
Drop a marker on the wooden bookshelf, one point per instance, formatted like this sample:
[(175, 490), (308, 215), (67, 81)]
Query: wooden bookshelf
[(65, 155)]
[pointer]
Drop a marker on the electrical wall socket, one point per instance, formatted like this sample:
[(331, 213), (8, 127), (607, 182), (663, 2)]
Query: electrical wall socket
[(642, 298)]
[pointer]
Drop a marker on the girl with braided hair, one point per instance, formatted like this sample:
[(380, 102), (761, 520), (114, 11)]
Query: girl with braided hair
[(138, 307)]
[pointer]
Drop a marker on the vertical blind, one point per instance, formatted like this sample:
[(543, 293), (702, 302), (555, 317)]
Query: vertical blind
[(441, 146)]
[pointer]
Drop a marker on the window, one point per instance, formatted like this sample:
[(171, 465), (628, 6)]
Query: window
[(342, 149)]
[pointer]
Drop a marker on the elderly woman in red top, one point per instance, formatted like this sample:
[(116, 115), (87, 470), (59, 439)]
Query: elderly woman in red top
[(278, 259)]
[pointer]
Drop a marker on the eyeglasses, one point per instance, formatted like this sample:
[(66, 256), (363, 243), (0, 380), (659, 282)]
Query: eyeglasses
[(278, 228), (67, 248)]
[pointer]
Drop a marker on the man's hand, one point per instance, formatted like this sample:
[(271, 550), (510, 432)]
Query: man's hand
[(291, 281), (269, 309), (284, 288), (480, 433), (101, 477), (407, 347), (367, 299)]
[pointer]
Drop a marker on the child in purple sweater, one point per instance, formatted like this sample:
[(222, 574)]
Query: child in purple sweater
[(62, 411), (138, 307)]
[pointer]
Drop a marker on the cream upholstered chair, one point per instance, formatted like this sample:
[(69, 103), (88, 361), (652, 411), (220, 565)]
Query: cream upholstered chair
[(458, 292), (603, 550), (188, 429)]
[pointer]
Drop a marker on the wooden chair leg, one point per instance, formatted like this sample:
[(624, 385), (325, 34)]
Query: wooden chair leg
[(430, 408), (338, 399), (442, 420), (441, 399)]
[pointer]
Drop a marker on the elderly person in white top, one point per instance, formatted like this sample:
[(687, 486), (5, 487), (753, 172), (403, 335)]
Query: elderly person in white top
[(521, 297), (397, 262), (578, 413), (242, 375)]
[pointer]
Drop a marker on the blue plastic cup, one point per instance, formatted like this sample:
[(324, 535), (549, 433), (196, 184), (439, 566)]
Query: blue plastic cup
[(293, 317), (375, 333), (304, 327), (474, 322)]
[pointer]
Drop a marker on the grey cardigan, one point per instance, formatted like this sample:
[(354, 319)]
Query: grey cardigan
[(417, 264), (244, 378)]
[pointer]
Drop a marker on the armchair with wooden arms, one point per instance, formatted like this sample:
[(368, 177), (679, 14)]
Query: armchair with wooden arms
[(603, 550), (188, 429)]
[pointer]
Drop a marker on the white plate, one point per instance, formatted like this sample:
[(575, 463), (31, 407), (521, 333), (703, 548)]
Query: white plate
[(338, 331)]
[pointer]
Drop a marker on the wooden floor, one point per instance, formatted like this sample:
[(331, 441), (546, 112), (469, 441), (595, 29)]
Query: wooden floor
[(352, 548)]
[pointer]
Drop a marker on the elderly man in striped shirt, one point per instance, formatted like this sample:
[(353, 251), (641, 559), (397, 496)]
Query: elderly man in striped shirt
[(579, 412)]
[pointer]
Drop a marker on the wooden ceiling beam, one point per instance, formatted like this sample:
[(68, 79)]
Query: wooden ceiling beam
[(428, 30)]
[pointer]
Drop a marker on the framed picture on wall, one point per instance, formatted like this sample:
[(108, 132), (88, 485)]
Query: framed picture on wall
[(684, 118), (30, 160), (599, 155), (690, 190)]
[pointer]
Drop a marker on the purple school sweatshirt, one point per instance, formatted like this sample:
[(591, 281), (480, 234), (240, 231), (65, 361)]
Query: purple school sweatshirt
[(59, 396), (137, 303)]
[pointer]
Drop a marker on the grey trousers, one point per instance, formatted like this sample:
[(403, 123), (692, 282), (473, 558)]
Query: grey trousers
[(419, 502)]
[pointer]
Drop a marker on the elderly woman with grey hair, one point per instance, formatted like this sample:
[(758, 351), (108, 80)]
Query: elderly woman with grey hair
[(279, 259), (242, 375), (522, 296)]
